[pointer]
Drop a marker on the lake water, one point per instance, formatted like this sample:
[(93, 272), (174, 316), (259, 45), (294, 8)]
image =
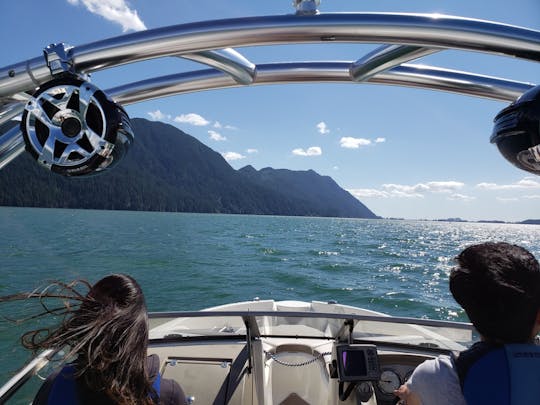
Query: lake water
[(193, 261)]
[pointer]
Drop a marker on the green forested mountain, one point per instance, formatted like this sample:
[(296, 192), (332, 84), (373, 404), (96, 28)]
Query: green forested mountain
[(169, 170)]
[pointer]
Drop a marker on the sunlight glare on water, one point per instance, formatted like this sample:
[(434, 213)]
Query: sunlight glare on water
[(194, 261)]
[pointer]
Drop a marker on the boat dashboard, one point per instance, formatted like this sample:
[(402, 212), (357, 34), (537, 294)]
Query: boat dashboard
[(395, 370), (297, 353), (283, 371), (287, 353)]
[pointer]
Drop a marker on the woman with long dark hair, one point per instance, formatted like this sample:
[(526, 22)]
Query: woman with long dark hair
[(105, 335)]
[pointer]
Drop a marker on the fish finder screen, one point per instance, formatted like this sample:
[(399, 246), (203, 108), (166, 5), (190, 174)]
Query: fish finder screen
[(354, 363), (357, 362)]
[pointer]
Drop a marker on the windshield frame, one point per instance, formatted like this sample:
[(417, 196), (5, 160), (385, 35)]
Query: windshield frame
[(313, 325)]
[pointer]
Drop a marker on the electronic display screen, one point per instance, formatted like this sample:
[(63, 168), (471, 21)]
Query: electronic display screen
[(357, 362), (354, 362)]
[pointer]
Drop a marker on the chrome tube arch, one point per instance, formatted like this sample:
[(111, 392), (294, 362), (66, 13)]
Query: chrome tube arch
[(404, 37), (329, 72), (11, 146), (228, 61), (412, 29), (384, 58), (423, 30)]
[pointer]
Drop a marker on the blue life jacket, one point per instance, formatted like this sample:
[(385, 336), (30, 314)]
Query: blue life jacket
[(503, 375), (64, 388)]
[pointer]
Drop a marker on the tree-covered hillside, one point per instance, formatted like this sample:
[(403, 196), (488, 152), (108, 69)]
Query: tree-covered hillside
[(169, 170)]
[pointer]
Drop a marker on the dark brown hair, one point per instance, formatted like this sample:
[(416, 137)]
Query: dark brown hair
[(106, 330), (498, 286)]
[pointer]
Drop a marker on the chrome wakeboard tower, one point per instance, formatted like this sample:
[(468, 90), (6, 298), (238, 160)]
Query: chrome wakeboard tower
[(73, 128)]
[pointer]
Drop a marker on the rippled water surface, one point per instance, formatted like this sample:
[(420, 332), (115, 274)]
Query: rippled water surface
[(193, 261)]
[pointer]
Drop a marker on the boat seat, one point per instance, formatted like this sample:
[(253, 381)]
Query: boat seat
[(297, 375)]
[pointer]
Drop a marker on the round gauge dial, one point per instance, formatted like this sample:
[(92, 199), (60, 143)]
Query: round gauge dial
[(389, 382)]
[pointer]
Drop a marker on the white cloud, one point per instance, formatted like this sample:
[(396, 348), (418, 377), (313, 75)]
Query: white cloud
[(532, 197), (322, 128), (251, 150), (401, 190), (415, 191), (353, 143), (380, 140), (430, 186), (219, 125), (368, 193), (192, 119), (388, 193), (216, 136), (158, 115), (507, 199), (444, 186), (116, 11), (311, 151), (232, 156), (335, 167), (525, 183), (461, 197), (489, 186)]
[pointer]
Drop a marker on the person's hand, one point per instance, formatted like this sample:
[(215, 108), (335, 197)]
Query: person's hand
[(406, 396)]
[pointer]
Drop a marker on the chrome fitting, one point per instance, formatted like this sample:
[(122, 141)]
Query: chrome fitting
[(307, 7), (58, 58)]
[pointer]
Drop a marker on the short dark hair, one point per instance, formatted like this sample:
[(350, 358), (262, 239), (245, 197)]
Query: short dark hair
[(498, 286)]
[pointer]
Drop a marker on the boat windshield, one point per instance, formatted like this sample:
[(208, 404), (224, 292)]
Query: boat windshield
[(367, 328)]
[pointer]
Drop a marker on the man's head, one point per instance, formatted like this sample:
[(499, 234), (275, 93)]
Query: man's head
[(498, 285)]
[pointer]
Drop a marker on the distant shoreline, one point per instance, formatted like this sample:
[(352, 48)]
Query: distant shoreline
[(480, 221), (457, 220)]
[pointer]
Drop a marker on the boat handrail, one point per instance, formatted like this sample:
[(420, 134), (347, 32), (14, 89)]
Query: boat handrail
[(245, 315), (23, 375)]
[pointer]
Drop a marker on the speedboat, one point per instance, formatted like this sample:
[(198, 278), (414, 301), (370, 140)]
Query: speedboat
[(287, 352), (261, 351)]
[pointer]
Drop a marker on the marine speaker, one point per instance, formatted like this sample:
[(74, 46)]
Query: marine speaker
[(72, 128), (517, 131)]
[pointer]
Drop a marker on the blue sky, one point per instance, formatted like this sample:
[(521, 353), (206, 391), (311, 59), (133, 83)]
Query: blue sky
[(404, 152)]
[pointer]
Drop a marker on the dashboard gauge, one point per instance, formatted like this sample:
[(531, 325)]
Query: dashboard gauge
[(389, 382)]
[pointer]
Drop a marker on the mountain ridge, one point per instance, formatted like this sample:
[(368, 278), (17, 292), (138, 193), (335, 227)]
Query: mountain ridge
[(169, 170)]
